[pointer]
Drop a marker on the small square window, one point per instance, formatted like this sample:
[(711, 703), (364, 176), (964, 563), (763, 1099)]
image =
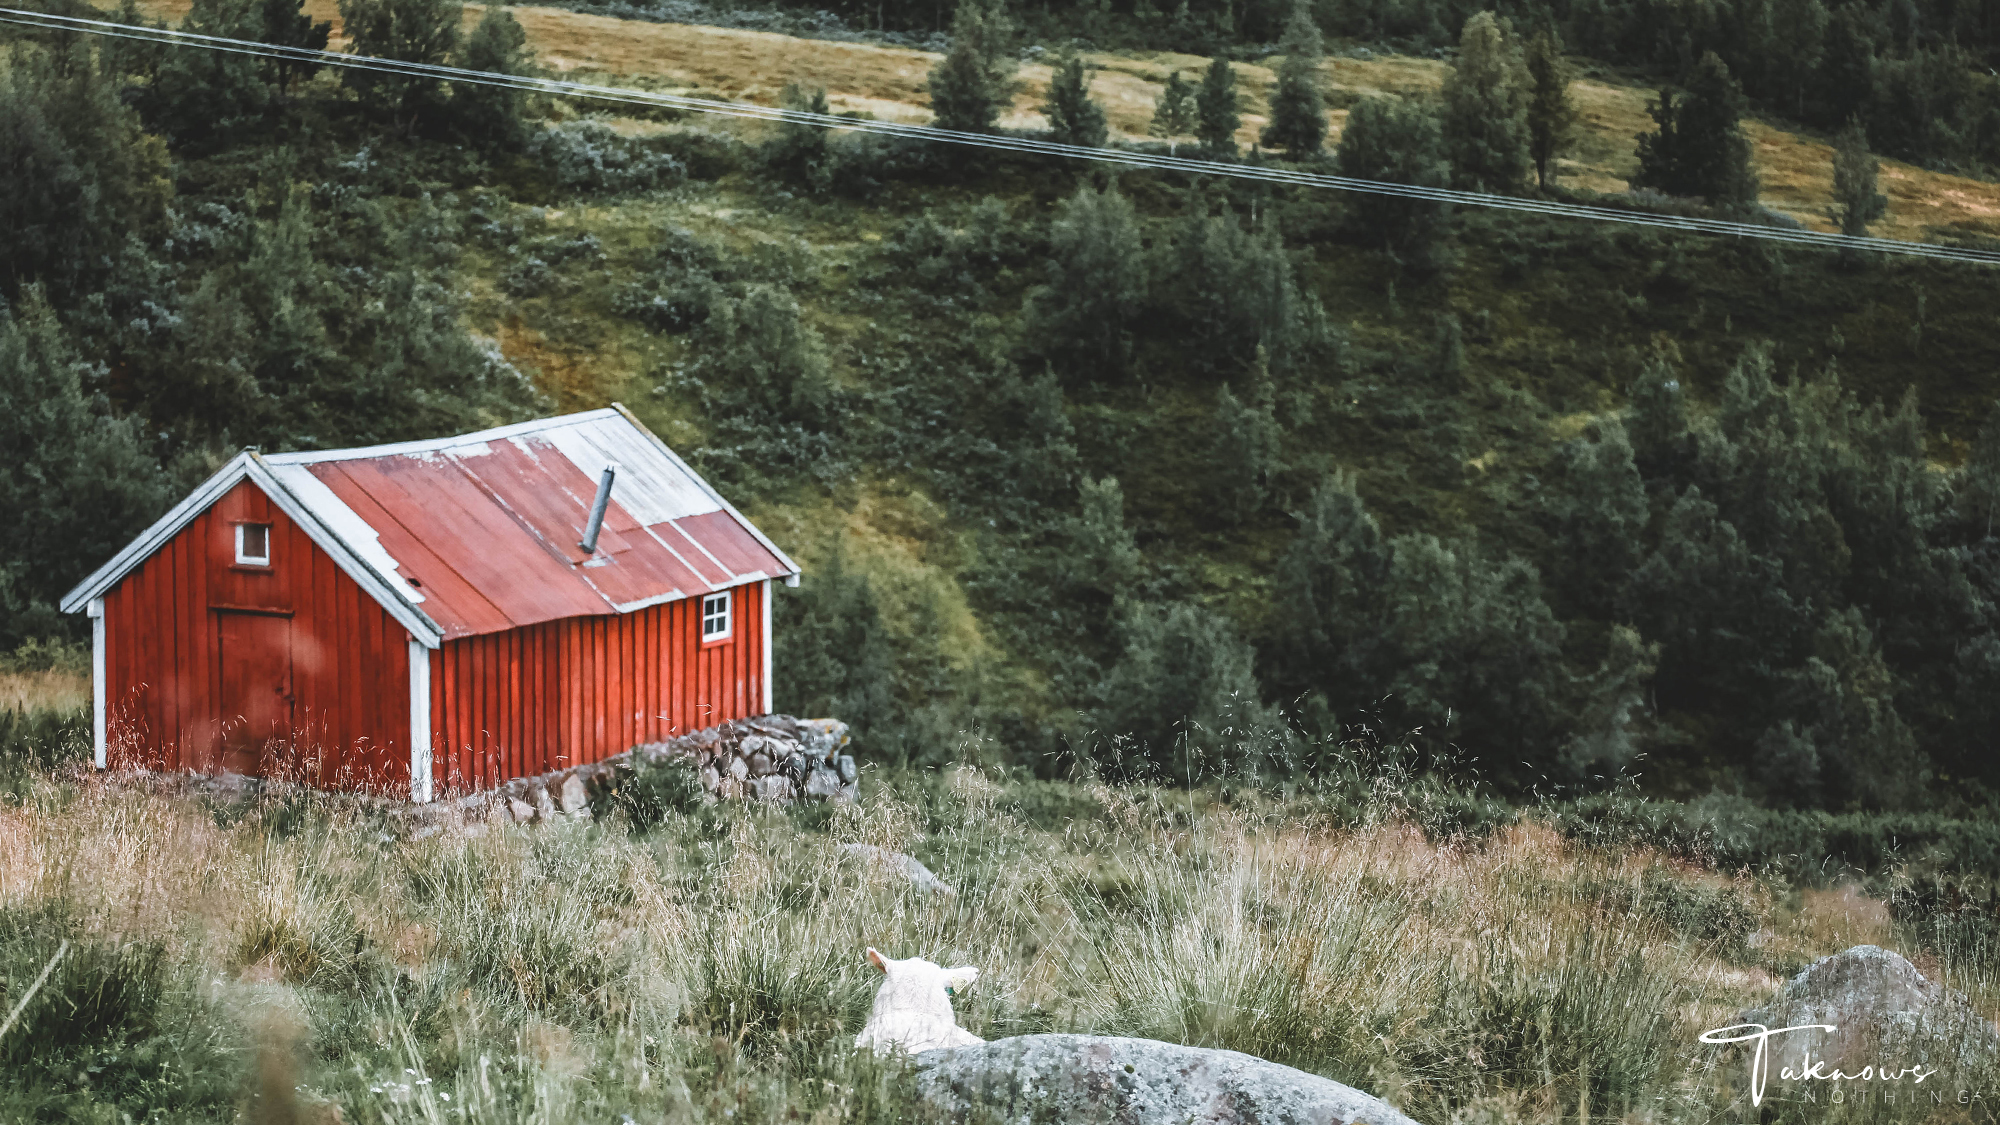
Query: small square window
[(715, 617), (253, 543)]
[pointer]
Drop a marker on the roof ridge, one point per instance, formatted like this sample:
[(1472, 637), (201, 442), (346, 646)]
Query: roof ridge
[(430, 445)]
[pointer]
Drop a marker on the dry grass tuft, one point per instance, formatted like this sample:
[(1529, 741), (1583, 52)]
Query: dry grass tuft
[(51, 690), (712, 962)]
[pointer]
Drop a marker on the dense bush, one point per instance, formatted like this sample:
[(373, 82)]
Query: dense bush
[(1809, 845), (589, 156)]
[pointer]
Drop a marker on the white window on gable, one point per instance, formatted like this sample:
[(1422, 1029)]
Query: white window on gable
[(253, 544), (715, 616)]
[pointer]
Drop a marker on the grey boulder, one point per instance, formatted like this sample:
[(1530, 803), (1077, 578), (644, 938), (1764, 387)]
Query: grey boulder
[(1884, 1010), (1101, 1080)]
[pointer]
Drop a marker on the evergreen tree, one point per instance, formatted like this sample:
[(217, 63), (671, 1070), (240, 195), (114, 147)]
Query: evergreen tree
[(799, 151), (1248, 444), (974, 82), (1726, 625), (1074, 118), (1794, 65), (494, 116), (1981, 475), (286, 344), (1658, 423), (1929, 107), (1184, 690), (1786, 762), (412, 31), (1099, 555), (1845, 77), (1298, 109), (1486, 99), (1698, 148), (133, 57), (1236, 291), (761, 347), (79, 180), (1098, 279), (209, 96), (1472, 654), (1173, 113), (77, 484), (1551, 110), (1600, 517), (1216, 114), (1330, 582), (1845, 694), (286, 24), (833, 652), (1399, 141), (1856, 202)]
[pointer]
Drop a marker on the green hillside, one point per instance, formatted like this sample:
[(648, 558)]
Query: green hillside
[(1179, 477)]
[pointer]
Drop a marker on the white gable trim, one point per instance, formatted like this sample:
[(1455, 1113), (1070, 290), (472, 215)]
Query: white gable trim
[(791, 568), (251, 467)]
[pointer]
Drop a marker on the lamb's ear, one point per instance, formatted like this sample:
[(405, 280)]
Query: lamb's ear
[(961, 977), (875, 959)]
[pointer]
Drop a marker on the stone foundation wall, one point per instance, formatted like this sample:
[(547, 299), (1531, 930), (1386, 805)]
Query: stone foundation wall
[(776, 758)]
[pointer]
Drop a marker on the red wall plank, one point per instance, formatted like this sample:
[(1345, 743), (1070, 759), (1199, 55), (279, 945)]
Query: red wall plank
[(350, 702)]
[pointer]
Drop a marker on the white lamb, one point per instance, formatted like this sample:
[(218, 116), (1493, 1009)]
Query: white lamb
[(913, 1007)]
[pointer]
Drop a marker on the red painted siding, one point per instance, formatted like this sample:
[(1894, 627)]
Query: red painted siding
[(561, 693), (164, 623), (504, 705)]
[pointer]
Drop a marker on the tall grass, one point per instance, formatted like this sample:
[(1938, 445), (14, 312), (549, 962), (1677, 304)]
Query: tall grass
[(288, 959)]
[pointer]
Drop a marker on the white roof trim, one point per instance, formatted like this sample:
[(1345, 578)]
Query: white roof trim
[(251, 467), (791, 567), (345, 523)]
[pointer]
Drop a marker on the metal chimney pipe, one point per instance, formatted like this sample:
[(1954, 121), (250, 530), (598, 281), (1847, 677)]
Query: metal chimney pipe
[(596, 524)]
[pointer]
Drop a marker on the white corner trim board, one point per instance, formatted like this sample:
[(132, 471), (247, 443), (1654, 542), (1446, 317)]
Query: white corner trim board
[(765, 599), (420, 721), (97, 700)]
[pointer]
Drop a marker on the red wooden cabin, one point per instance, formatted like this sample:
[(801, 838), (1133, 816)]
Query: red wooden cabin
[(309, 612)]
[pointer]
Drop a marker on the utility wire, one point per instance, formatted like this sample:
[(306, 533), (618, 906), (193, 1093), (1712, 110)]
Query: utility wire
[(999, 142)]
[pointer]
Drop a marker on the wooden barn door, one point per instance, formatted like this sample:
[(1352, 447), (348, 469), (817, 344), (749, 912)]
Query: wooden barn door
[(256, 688)]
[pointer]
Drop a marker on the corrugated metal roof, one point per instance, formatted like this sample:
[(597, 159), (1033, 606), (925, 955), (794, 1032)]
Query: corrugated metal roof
[(482, 529)]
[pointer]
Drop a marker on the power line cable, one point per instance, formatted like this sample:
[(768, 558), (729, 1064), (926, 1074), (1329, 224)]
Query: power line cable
[(999, 142)]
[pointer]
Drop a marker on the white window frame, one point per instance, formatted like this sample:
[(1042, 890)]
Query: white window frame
[(727, 615), (251, 560)]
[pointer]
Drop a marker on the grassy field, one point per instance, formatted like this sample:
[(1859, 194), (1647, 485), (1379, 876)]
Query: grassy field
[(52, 690), (287, 960), (888, 83)]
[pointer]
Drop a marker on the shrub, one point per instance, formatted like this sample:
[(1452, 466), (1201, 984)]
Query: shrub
[(799, 151), (975, 81), (589, 156), (1398, 141), (1809, 845), (650, 792)]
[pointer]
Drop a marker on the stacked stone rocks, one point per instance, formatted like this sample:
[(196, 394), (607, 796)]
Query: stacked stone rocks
[(769, 758), (774, 758)]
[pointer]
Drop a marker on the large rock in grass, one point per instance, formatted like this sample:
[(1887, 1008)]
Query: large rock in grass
[(1884, 1012), (1100, 1080)]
